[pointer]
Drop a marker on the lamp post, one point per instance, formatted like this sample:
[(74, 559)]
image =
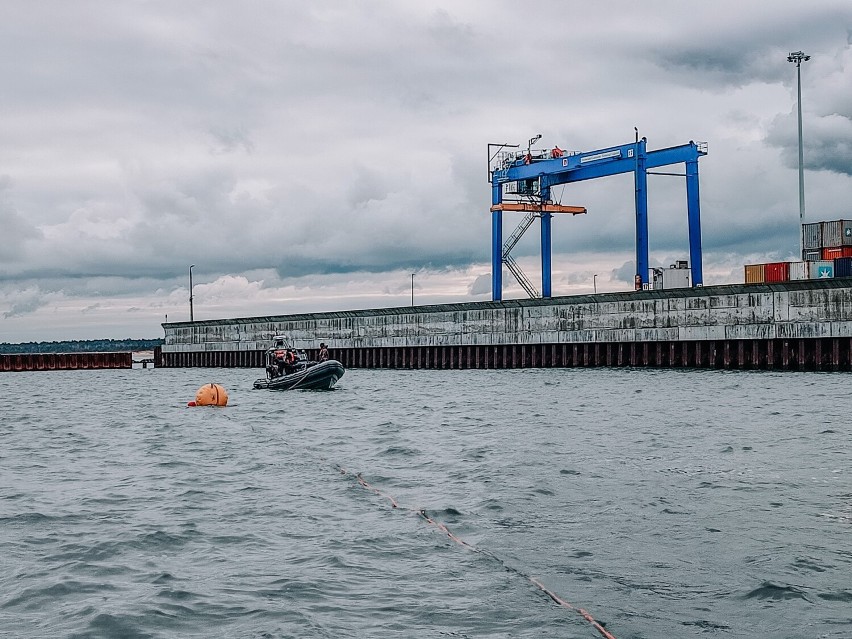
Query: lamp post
[(412, 289), (191, 318), (797, 57), (532, 141), (595, 282)]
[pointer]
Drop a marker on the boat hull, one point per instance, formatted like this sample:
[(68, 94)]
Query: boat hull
[(320, 376)]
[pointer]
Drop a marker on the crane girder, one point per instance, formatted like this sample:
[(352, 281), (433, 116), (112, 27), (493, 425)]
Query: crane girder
[(594, 164)]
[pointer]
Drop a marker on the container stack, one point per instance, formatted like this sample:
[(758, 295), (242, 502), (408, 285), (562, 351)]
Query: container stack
[(826, 252), (836, 239)]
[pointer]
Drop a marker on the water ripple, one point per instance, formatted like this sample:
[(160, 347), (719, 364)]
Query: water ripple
[(666, 503)]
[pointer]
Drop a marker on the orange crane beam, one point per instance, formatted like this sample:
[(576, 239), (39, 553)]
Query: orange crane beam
[(526, 207)]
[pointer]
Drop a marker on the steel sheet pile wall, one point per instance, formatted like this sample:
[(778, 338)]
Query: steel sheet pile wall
[(63, 361), (800, 325)]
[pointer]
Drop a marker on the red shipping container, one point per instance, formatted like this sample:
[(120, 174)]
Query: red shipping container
[(835, 252), (777, 272)]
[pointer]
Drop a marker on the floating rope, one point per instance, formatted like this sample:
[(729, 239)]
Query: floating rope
[(461, 542), (595, 624)]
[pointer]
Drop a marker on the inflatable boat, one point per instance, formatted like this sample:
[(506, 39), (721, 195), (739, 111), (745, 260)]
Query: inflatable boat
[(288, 369)]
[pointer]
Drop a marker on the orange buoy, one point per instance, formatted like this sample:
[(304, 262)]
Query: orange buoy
[(210, 395)]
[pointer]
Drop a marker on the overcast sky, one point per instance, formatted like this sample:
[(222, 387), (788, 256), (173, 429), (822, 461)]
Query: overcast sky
[(310, 156)]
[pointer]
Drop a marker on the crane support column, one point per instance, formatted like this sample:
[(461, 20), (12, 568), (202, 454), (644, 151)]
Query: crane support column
[(546, 245), (694, 218), (496, 243), (641, 178)]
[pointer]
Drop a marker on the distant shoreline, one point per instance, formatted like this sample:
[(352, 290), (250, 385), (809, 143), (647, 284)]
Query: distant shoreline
[(82, 346)]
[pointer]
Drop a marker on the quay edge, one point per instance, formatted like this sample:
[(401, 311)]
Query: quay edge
[(800, 325)]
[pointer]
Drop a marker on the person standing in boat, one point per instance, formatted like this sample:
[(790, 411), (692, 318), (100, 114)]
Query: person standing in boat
[(289, 363), (323, 352), (279, 362)]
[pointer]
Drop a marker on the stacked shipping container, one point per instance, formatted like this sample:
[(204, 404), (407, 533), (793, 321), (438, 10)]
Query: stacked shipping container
[(843, 267), (831, 239), (826, 252)]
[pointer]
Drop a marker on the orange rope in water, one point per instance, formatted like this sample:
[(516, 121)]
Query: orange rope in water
[(422, 514)]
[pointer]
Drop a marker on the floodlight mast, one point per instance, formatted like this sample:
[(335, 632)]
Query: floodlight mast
[(191, 316), (797, 57), (532, 141)]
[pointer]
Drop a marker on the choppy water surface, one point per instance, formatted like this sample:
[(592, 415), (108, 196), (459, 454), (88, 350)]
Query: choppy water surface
[(665, 503)]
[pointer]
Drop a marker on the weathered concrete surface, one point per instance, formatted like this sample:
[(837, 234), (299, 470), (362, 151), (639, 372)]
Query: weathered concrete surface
[(790, 310)]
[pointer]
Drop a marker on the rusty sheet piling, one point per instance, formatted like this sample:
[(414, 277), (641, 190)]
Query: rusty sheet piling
[(18, 362)]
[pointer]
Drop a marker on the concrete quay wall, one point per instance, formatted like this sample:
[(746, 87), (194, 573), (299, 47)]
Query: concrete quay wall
[(688, 327)]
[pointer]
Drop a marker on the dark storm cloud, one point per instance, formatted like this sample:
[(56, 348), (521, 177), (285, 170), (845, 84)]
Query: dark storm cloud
[(750, 48), (827, 141), (827, 137)]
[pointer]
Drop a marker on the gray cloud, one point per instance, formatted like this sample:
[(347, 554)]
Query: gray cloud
[(300, 145), (624, 273), (827, 141), (25, 302), (481, 285)]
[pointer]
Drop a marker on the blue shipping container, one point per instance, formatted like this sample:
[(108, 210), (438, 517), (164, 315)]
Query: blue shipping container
[(843, 267)]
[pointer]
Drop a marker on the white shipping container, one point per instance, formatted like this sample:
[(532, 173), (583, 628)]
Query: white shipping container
[(673, 277), (821, 269), (834, 234), (846, 232), (812, 235), (798, 270)]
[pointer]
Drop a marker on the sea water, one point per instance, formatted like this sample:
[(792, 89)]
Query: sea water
[(426, 504)]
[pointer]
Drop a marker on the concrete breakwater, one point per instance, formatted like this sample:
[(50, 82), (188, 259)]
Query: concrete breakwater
[(16, 362), (803, 325)]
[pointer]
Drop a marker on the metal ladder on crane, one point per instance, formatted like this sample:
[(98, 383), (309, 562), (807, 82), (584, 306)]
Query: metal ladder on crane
[(523, 280), (510, 262)]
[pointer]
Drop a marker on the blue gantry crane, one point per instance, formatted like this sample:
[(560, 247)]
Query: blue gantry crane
[(530, 176)]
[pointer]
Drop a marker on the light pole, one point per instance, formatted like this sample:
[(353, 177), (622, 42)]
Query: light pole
[(412, 289), (595, 282), (532, 141), (191, 318), (798, 57)]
